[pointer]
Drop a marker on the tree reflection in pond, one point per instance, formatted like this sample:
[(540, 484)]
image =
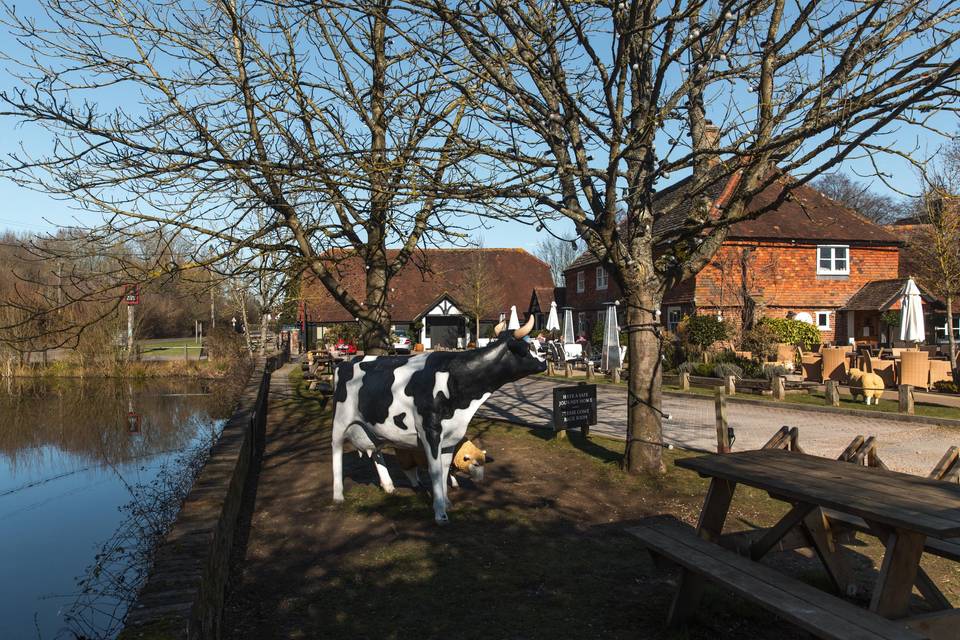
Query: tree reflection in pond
[(92, 473)]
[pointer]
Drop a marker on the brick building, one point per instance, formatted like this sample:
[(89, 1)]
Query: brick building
[(806, 259), (434, 289)]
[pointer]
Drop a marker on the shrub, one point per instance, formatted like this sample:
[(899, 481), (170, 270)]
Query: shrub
[(761, 341), (696, 369), (223, 343), (795, 332), (772, 372), (724, 369), (945, 386), (703, 331)]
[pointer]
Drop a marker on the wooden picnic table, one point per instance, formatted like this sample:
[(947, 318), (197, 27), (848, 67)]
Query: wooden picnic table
[(902, 510)]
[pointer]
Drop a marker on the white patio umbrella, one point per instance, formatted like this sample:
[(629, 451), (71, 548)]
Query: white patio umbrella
[(610, 354), (553, 322), (514, 322), (568, 337), (911, 313)]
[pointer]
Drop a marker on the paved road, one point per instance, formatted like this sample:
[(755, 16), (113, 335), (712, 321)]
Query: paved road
[(904, 446)]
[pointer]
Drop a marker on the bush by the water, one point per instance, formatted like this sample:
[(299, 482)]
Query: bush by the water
[(226, 345), (795, 332)]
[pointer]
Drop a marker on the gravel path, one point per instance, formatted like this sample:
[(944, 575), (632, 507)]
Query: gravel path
[(904, 446)]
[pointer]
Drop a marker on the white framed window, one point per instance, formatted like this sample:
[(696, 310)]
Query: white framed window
[(673, 318), (833, 260), (823, 320), (942, 329), (581, 322), (581, 281), (600, 316), (601, 278)]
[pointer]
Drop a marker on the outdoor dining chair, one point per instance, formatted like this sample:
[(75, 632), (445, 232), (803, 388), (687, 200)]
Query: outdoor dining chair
[(834, 364), (914, 369)]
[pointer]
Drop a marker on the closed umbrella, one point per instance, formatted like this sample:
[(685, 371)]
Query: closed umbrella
[(911, 314), (514, 322), (610, 355), (553, 322), (568, 337)]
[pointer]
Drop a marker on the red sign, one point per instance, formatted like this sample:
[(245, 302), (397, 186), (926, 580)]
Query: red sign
[(133, 422), (132, 296)]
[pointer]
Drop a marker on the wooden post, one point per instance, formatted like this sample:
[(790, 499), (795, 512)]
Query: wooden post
[(832, 393), (551, 370), (568, 370), (906, 399), (723, 434), (615, 376), (779, 387), (731, 385), (589, 371), (685, 381), (186, 356)]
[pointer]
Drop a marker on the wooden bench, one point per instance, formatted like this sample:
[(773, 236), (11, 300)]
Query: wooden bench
[(815, 611)]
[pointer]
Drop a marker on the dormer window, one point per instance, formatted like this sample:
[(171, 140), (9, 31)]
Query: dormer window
[(833, 260), (602, 278)]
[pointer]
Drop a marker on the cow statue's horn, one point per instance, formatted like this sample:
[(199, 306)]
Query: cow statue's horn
[(525, 329), (500, 327)]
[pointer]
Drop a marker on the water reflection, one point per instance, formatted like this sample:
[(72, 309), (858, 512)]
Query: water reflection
[(91, 473)]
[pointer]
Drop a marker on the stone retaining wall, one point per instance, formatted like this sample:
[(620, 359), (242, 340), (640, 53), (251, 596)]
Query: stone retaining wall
[(183, 595)]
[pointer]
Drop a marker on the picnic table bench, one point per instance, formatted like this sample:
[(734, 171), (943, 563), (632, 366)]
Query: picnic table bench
[(907, 513), (807, 607)]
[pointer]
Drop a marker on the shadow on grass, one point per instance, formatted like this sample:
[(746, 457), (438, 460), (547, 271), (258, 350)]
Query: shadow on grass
[(538, 551)]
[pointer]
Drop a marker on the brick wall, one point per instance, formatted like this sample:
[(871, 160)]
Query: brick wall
[(591, 299), (782, 277)]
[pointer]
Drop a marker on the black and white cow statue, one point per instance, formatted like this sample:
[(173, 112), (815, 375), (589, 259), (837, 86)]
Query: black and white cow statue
[(422, 401)]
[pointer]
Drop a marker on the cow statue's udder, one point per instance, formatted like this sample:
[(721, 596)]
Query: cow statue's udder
[(424, 400)]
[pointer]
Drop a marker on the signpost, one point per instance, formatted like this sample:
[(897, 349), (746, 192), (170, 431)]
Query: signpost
[(575, 408), (131, 298)]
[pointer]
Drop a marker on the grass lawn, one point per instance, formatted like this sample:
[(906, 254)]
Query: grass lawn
[(537, 551), (816, 398), (846, 402), (168, 346)]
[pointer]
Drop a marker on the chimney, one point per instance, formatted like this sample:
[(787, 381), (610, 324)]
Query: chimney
[(711, 138)]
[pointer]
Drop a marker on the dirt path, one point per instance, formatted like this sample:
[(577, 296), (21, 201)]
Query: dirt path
[(904, 446)]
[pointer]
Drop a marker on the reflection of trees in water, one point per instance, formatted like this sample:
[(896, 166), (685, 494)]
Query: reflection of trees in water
[(89, 418), (111, 583)]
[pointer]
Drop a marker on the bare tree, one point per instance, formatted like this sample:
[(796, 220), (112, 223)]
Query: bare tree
[(558, 253), (322, 115), (590, 106), (480, 292), (859, 197), (936, 243), (739, 275)]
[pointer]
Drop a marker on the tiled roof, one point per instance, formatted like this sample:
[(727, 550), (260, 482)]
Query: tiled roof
[(430, 274), (878, 295), (806, 214), (881, 295)]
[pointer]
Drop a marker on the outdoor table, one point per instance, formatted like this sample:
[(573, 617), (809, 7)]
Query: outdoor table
[(901, 509)]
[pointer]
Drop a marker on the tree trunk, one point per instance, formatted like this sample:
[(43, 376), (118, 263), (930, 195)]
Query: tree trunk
[(476, 336), (952, 341), (263, 334), (644, 429), (243, 314), (375, 323)]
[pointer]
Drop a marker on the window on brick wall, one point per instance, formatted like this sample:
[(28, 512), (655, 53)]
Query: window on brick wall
[(823, 320), (581, 322), (581, 281), (601, 278), (673, 318), (833, 260)]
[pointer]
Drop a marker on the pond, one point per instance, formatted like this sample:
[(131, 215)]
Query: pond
[(92, 473)]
